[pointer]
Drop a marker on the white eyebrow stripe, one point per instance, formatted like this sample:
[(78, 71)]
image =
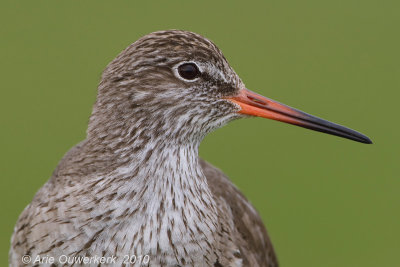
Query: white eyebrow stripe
[(216, 72)]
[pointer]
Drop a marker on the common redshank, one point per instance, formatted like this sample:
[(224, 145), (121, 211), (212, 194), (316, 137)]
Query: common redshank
[(135, 192)]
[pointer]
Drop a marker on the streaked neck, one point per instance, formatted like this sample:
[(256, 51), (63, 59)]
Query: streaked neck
[(164, 193)]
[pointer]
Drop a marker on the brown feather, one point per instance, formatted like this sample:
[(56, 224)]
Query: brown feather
[(255, 246)]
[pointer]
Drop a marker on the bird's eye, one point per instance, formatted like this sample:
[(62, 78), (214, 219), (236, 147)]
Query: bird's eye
[(188, 71)]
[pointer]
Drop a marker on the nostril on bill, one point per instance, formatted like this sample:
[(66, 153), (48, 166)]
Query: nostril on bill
[(258, 101)]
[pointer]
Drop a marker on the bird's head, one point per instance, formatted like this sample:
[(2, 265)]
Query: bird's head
[(177, 85)]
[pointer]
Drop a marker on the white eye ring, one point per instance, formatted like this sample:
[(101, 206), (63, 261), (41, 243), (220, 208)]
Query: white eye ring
[(179, 72)]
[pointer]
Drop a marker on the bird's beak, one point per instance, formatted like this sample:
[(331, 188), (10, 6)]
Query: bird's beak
[(257, 105)]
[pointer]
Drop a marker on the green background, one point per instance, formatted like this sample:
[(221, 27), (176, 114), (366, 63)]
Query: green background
[(326, 201)]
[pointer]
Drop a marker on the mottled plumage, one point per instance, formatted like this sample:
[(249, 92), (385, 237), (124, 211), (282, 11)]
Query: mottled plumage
[(135, 191), (136, 185)]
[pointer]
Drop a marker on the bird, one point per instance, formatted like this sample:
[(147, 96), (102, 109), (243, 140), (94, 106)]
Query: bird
[(135, 192)]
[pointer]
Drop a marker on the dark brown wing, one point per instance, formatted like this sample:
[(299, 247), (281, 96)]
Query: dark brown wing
[(252, 238)]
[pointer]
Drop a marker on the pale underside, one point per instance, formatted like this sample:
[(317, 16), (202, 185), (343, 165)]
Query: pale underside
[(54, 226)]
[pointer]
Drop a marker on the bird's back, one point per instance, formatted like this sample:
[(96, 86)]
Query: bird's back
[(250, 235), (242, 230)]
